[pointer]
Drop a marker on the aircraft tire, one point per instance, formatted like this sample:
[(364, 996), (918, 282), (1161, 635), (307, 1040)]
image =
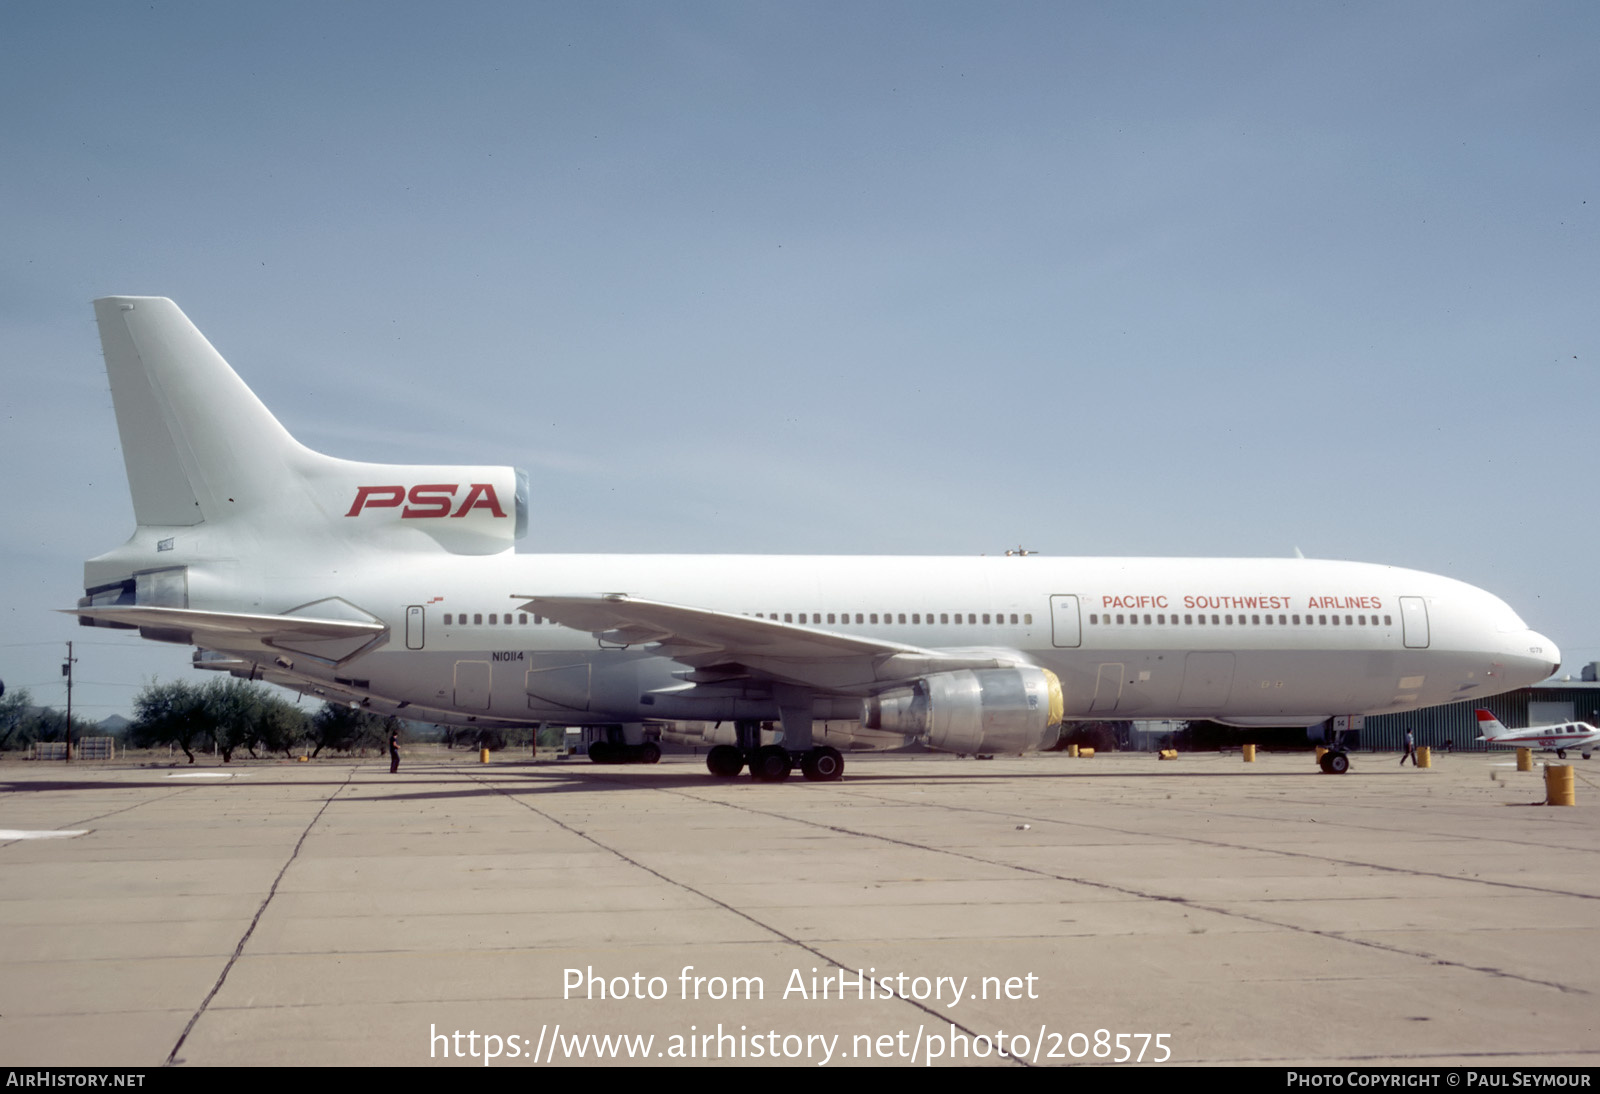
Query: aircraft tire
[(600, 753), (1561, 753), (725, 761), (649, 753), (770, 764), (822, 765), (1335, 763)]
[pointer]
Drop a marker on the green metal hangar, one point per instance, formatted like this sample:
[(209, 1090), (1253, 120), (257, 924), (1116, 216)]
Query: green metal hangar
[(1558, 699)]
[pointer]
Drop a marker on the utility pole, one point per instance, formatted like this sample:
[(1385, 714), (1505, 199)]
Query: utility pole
[(66, 670)]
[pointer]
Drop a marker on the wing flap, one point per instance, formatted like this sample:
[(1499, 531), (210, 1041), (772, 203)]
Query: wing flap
[(724, 646)]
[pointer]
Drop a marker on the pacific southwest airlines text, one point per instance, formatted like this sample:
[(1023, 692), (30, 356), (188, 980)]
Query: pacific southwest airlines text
[(1262, 603)]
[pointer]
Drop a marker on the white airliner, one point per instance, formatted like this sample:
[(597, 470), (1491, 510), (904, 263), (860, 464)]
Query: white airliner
[(1580, 736), (397, 587)]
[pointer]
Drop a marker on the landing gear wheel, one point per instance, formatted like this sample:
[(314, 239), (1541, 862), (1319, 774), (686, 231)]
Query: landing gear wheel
[(1335, 763), (822, 765), (1561, 753), (725, 761), (600, 753), (649, 753), (770, 764)]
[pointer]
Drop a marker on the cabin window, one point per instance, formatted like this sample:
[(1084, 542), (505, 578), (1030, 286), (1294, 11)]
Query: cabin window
[(944, 617)]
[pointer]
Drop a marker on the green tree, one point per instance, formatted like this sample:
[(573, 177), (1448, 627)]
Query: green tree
[(229, 712), (280, 726), (171, 713), (22, 723), (340, 727)]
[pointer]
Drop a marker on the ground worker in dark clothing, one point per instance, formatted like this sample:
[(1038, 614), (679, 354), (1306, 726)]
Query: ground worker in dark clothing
[(394, 751), (1411, 748)]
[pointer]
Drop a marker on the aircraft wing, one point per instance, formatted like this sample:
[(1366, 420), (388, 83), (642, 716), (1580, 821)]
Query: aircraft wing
[(723, 646)]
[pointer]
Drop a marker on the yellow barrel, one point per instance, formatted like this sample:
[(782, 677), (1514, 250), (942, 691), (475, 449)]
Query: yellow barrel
[(1167, 754), (1249, 752), (1072, 750), (1558, 785), (1321, 752), (1424, 756), (483, 756), (1086, 753), (1524, 759)]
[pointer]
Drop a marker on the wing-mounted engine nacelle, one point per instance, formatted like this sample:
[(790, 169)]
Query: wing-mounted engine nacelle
[(974, 710)]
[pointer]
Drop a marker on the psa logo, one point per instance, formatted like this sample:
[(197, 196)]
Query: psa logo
[(428, 500)]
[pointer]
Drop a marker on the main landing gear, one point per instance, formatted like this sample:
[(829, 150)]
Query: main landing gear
[(773, 763), (1334, 763), (607, 752), (612, 746)]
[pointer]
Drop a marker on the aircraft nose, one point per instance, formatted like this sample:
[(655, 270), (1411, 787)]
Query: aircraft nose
[(1539, 655)]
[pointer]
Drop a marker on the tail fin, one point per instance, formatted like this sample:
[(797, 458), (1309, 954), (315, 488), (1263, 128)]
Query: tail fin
[(196, 441), (1490, 727), (201, 449)]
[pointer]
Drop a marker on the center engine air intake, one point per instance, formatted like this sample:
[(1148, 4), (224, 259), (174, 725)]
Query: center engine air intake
[(974, 710)]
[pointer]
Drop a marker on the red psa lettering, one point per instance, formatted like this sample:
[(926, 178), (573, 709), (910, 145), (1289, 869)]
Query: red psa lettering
[(430, 500), (377, 497), (481, 496)]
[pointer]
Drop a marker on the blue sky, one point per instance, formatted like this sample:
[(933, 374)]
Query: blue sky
[(1134, 278)]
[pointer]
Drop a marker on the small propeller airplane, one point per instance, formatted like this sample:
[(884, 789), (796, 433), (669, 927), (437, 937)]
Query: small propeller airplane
[(1557, 738)]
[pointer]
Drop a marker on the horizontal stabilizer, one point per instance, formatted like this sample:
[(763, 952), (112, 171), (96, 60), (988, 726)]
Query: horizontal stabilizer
[(231, 624), (327, 640)]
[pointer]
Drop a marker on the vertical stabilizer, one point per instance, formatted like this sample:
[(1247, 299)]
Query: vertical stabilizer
[(1490, 727), (203, 453), (197, 443)]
